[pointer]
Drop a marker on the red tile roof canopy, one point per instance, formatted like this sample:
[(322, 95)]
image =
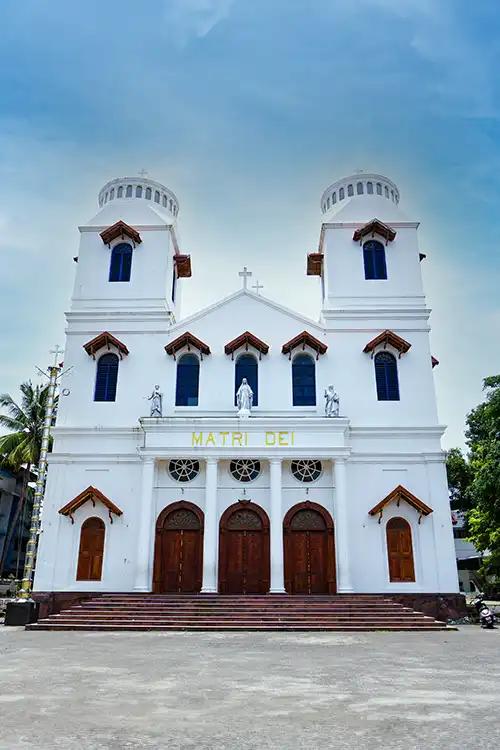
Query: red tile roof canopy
[(304, 339), (434, 362), (388, 337), (246, 339), (190, 342), (315, 264), (93, 495), (183, 266), (401, 493), (122, 230), (105, 339), (375, 227)]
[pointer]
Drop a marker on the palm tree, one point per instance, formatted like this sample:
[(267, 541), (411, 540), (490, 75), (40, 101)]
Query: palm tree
[(20, 448)]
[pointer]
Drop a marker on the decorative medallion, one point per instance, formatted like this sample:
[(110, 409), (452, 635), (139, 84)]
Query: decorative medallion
[(183, 469), (306, 470), (245, 469)]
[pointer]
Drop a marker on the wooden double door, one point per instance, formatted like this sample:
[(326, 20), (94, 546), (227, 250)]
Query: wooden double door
[(178, 564), (309, 550), (244, 566)]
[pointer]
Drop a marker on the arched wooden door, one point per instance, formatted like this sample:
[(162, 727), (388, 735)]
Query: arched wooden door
[(244, 550), (91, 550), (309, 547), (178, 565), (400, 551)]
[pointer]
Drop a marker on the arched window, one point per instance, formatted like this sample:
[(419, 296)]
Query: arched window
[(304, 380), (119, 193), (386, 375), (148, 193), (334, 198), (328, 202), (247, 367), (111, 194), (350, 190), (164, 201), (359, 188), (129, 191), (91, 550), (188, 380), (121, 262), (138, 191), (341, 194), (157, 196), (386, 191), (374, 260), (379, 188), (369, 188), (106, 378), (400, 551)]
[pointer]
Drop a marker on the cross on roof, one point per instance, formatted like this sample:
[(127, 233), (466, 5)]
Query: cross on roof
[(245, 274), (143, 173), (257, 286)]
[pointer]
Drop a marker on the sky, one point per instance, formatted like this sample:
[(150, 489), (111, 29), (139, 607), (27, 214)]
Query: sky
[(247, 111)]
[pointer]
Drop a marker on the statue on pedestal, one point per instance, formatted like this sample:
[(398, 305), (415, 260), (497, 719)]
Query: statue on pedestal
[(156, 399), (332, 402), (244, 399)]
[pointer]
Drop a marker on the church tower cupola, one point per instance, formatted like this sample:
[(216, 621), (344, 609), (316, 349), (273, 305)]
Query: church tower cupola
[(361, 185), (140, 188)]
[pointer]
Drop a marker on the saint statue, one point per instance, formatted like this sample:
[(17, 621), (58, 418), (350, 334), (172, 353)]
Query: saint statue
[(244, 399), (332, 402), (156, 399)]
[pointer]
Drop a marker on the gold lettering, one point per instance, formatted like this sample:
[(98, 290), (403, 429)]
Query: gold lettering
[(196, 438), (224, 436), (237, 437), (210, 439), (283, 438), (270, 438)]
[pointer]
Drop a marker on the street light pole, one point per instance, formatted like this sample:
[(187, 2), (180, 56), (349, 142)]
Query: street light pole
[(32, 545)]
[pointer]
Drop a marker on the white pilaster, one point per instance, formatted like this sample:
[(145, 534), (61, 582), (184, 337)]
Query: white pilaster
[(143, 572), (277, 572), (210, 540), (344, 584)]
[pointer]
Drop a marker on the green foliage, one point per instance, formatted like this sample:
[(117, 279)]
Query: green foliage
[(24, 420), (475, 482)]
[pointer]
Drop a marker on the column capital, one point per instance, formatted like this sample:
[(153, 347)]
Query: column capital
[(275, 460), (211, 460), (148, 460)]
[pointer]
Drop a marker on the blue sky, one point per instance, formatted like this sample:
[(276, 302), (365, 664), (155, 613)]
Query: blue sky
[(248, 111)]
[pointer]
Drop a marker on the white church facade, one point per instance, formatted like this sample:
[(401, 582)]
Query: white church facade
[(194, 490)]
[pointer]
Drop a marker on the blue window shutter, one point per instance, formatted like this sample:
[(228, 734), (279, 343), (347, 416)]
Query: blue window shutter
[(304, 380), (121, 262), (247, 367), (386, 375), (188, 381), (374, 260), (106, 378)]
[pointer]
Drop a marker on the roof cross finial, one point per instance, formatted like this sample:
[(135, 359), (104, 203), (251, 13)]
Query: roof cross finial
[(245, 274), (257, 286), (56, 352), (143, 173)]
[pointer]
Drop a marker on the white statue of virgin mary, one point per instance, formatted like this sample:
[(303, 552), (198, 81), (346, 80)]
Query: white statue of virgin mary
[(244, 399)]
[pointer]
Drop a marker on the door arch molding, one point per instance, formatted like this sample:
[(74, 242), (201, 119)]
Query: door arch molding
[(178, 556), (309, 550), (244, 553)]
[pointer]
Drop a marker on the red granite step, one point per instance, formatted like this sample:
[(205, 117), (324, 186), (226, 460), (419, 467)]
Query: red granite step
[(213, 612)]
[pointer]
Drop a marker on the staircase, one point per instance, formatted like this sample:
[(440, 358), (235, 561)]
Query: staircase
[(216, 612)]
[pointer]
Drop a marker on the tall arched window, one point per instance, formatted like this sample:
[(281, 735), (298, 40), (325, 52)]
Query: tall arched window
[(106, 377), (121, 262), (386, 375), (247, 367), (188, 381), (374, 260), (304, 380), (91, 550)]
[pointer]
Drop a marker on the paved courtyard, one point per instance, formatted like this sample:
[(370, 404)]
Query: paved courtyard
[(229, 691)]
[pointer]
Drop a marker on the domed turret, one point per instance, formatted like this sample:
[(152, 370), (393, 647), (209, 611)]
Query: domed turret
[(359, 185), (139, 188)]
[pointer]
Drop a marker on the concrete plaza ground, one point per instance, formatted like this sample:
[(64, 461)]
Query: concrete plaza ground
[(67, 691)]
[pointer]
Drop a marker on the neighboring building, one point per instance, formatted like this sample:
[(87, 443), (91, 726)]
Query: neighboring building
[(468, 558), (202, 498), (14, 522)]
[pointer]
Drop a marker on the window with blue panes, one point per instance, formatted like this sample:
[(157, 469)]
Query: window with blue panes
[(386, 375), (247, 367), (374, 260), (304, 380), (188, 381), (106, 378), (121, 262)]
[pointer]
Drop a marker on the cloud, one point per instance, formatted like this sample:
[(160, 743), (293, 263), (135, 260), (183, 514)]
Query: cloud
[(194, 18)]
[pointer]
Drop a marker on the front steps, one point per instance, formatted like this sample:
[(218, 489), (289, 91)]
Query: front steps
[(253, 612)]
